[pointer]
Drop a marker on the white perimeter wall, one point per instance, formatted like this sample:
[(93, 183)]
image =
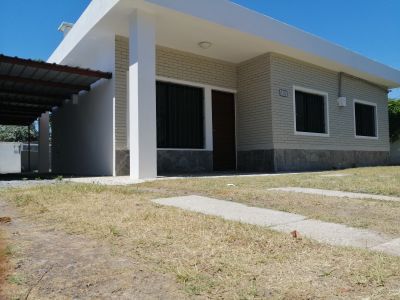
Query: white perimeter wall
[(10, 158), (83, 142)]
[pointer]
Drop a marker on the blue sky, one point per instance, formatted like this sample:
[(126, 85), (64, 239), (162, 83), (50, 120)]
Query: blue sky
[(28, 28)]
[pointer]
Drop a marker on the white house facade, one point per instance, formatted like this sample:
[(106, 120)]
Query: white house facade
[(202, 86)]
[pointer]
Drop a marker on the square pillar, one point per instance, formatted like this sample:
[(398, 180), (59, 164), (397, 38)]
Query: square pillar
[(142, 96), (44, 147)]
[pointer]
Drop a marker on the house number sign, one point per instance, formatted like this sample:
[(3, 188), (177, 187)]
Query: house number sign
[(283, 93)]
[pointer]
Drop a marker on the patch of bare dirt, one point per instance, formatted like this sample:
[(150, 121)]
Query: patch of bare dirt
[(53, 264), (3, 265), (5, 220)]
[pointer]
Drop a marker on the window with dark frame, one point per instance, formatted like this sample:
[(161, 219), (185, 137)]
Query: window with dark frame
[(180, 116), (365, 119), (310, 113)]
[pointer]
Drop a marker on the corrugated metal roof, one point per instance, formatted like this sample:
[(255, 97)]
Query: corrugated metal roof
[(29, 88)]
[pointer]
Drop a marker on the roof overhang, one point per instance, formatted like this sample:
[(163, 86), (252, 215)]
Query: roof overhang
[(237, 34), (29, 88)]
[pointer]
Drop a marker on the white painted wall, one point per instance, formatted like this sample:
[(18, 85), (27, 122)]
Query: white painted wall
[(10, 158), (83, 136)]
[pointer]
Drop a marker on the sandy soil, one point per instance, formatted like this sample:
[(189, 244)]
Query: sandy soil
[(55, 265), (3, 265)]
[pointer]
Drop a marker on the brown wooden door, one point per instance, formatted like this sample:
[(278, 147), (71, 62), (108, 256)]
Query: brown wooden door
[(224, 137)]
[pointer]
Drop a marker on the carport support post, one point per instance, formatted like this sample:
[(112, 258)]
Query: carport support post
[(142, 96), (44, 159), (29, 148)]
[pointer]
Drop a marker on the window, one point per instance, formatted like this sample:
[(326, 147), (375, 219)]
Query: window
[(365, 119), (180, 116), (310, 113)]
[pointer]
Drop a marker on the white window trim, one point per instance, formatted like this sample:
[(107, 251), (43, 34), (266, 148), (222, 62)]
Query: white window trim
[(208, 126), (182, 149), (376, 120), (195, 84), (326, 100)]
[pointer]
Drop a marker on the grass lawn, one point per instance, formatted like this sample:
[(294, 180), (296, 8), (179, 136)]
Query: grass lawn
[(221, 259), (374, 215)]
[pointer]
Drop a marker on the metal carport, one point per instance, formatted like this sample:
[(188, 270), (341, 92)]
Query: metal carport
[(29, 89)]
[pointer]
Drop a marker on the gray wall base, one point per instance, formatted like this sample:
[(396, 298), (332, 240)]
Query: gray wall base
[(278, 160), (287, 160), (255, 161), (184, 161), (171, 162), (122, 164), (314, 160)]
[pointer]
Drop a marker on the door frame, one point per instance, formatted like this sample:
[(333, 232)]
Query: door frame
[(235, 118)]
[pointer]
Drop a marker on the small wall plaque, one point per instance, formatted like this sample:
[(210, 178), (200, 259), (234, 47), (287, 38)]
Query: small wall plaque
[(283, 93)]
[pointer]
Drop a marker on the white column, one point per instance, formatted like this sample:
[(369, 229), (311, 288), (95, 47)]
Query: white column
[(44, 158), (142, 96), (208, 118)]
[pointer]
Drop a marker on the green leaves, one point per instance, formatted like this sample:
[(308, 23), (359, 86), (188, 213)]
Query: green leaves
[(394, 119), (17, 133)]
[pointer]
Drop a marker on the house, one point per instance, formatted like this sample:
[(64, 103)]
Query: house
[(201, 86)]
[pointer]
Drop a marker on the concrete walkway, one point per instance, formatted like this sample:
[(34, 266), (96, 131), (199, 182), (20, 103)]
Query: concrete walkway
[(329, 233), (339, 194), (126, 180)]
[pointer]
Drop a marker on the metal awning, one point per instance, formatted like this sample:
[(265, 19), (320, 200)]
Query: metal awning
[(29, 88)]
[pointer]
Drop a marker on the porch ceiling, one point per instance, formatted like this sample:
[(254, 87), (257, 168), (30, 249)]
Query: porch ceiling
[(29, 88), (237, 34)]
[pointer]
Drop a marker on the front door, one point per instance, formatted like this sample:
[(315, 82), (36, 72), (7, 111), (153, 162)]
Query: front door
[(224, 137)]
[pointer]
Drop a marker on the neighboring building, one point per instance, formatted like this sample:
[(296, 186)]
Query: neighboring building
[(395, 153), (10, 154), (202, 86), (19, 158)]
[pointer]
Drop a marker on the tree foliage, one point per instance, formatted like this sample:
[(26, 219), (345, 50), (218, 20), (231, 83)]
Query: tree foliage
[(394, 119), (17, 133)]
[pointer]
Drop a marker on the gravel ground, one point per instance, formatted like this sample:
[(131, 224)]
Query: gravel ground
[(24, 183)]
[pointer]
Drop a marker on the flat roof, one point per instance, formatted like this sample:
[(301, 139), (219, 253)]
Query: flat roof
[(29, 88), (237, 33)]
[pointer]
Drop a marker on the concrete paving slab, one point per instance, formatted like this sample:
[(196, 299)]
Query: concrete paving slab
[(231, 210), (106, 180), (335, 234), (339, 194), (329, 233), (392, 247)]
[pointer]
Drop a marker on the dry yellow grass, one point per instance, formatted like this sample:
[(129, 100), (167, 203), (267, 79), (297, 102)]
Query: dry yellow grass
[(4, 268), (374, 215), (209, 256)]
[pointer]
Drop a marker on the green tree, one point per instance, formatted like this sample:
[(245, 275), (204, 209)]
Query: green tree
[(394, 119), (17, 133)]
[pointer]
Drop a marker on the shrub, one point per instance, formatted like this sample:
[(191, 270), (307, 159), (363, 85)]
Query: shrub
[(394, 119)]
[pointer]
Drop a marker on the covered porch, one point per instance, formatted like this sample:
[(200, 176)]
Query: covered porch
[(30, 91)]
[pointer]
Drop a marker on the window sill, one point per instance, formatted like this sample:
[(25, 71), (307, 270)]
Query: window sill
[(182, 149), (312, 134), (366, 137)]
